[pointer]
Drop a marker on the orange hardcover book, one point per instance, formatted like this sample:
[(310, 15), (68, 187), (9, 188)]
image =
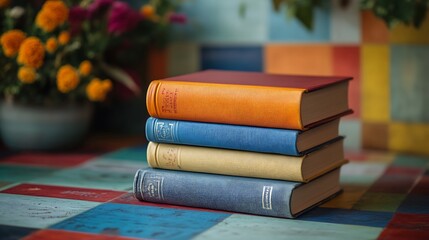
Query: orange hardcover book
[(249, 98)]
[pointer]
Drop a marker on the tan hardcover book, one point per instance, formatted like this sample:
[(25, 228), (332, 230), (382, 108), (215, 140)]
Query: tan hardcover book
[(247, 164)]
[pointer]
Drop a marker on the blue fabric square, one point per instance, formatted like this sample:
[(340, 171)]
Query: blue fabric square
[(232, 58), (142, 221)]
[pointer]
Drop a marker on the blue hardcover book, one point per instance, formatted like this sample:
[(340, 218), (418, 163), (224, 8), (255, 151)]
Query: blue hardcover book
[(246, 138), (236, 194)]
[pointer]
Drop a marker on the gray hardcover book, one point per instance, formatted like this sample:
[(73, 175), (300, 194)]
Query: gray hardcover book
[(236, 194)]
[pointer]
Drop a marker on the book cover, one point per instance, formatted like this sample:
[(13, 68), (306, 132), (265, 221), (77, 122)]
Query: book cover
[(245, 138), (246, 98), (246, 164), (237, 194)]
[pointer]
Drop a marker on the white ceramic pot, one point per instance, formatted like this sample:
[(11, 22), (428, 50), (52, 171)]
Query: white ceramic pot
[(43, 128)]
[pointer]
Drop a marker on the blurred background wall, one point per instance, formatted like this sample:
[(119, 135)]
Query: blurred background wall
[(390, 90)]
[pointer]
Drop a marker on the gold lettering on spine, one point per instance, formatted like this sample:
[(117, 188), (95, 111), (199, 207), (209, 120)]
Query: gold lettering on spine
[(169, 100), (169, 158)]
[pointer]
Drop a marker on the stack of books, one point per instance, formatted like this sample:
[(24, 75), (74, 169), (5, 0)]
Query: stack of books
[(244, 142)]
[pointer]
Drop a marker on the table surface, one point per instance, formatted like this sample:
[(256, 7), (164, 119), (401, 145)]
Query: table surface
[(85, 194)]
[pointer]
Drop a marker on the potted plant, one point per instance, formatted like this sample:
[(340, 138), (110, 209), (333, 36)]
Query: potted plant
[(55, 64)]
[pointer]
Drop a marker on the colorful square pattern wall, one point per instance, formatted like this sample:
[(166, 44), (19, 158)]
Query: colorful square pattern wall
[(390, 67)]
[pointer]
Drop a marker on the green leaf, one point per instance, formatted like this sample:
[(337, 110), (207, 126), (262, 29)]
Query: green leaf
[(408, 12), (305, 15), (420, 10), (367, 4), (403, 11)]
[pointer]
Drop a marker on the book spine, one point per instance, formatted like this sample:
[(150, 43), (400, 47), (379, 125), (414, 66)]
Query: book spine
[(245, 138), (223, 161), (236, 194), (226, 103)]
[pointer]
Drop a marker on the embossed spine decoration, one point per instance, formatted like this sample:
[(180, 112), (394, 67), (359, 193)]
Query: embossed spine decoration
[(151, 99)]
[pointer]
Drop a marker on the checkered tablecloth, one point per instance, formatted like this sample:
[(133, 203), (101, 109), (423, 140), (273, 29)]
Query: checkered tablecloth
[(86, 194)]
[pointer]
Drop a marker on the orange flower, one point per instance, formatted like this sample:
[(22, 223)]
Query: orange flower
[(26, 75), (52, 15), (97, 90), (147, 11), (4, 3), (11, 41), (58, 9), (31, 52), (67, 78), (46, 21), (64, 37), (85, 68), (51, 45)]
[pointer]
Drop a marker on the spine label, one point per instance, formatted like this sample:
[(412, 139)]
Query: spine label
[(267, 192), (153, 187), (164, 131)]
